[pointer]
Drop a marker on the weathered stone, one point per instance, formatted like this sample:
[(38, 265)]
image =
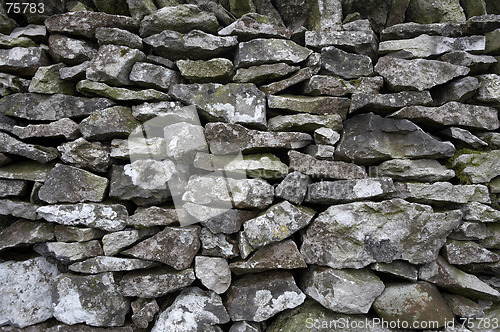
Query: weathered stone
[(331, 239), (71, 184), (384, 103), (23, 233), (493, 42), (470, 231), (443, 193), (140, 8), (475, 211), (325, 15), (360, 42), (398, 269), (261, 296), (85, 23), (314, 105), (265, 7), (324, 169), (101, 264), (75, 73), (482, 24), (298, 77), (280, 255), (247, 28), (213, 273), (459, 90), (10, 84), (94, 300), (332, 192), (115, 7), (422, 170), (66, 128), (6, 24), (219, 220), (26, 170), (263, 51), (413, 303), (115, 242), (305, 122), (326, 136), (153, 216), (218, 70), (476, 63), (194, 45), (240, 8), (193, 309), (26, 290), (9, 144), (106, 217), (323, 152), (226, 138), (245, 326), (121, 94), (293, 188), (235, 103), (173, 246), (462, 306), (144, 311), (40, 107), (467, 252), (185, 140), (346, 65), (417, 74), (219, 245), (489, 89), (68, 253), (76, 234), (277, 223), (492, 238), (93, 156), (108, 123), (218, 191), (14, 187), (4, 160), (69, 50), (18, 209), (263, 73), (23, 61), (463, 137), (334, 86), (478, 167), (153, 76), (47, 80), (344, 291), (148, 111), (118, 37), (411, 30), (182, 18), (369, 138), (435, 11), (450, 278)]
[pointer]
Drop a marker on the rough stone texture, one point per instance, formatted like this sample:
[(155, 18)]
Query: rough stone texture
[(153, 76), (463, 137), (41, 154), (68, 253), (69, 50), (384, 103), (109, 264), (93, 156), (263, 51), (298, 77), (357, 41), (263, 73), (476, 63), (22, 60), (443, 193), (118, 37), (144, 311), (23, 233), (247, 28), (324, 169), (334, 86), (459, 90), (219, 245), (76, 234), (479, 167), (219, 220), (435, 11), (66, 128), (336, 62), (217, 70), (398, 269), (115, 242), (18, 209), (467, 252), (304, 122), (422, 170), (213, 272), (293, 188), (314, 105), (489, 88), (153, 216), (412, 30), (47, 80), (418, 241), (475, 211), (108, 123)]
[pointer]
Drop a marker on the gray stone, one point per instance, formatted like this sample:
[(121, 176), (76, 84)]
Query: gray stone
[(411, 30), (463, 137), (334, 86), (492, 239), (12, 187), (194, 45), (156, 282), (294, 13), (482, 24), (76, 234), (346, 65), (422, 170), (313, 105), (85, 23), (74, 73), (101, 264), (41, 154), (182, 18), (475, 211), (26, 289), (263, 73), (384, 103), (118, 37), (213, 272), (192, 310), (435, 11), (259, 297), (66, 128), (23, 233), (88, 87), (247, 28), (277, 223), (94, 300), (185, 140), (345, 291), (467, 252), (219, 245), (450, 278), (493, 42), (173, 246), (23, 61), (324, 169), (153, 76), (144, 311), (443, 193), (298, 77), (325, 15), (342, 191), (93, 156), (359, 42), (219, 220), (148, 111), (369, 138), (10, 84), (69, 50), (293, 188), (489, 89), (38, 107), (398, 269), (492, 138), (262, 51), (245, 326), (462, 306), (115, 242), (226, 138), (459, 90), (452, 114), (324, 152), (68, 253), (47, 80), (265, 7), (419, 74), (476, 63), (332, 238), (152, 216), (304, 122), (140, 8), (240, 8), (424, 299), (326, 136), (107, 217), (235, 103), (108, 123), (9, 42), (217, 70), (18, 209), (470, 231), (478, 167)]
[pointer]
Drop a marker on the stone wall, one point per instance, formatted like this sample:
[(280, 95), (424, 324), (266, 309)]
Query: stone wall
[(249, 165)]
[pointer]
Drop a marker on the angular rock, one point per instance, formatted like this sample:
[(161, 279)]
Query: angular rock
[(413, 303), (213, 273), (452, 114), (325, 15), (304, 122), (475, 211), (478, 167), (38, 107), (261, 296), (148, 111), (13, 187), (121, 94), (218, 245), (85, 23), (346, 65), (193, 309), (18, 209), (235, 103), (218, 70), (262, 51), (345, 291), (185, 140), (144, 311), (467, 252), (422, 170), (470, 231), (476, 63), (153, 76), (443, 193), (263, 73), (398, 269), (10, 84), (101, 264), (359, 42), (369, 138), (334, 86), (173, 246), (68, 253), (331, 239), (93, 156), (219, 220), (323, 152), (226, 138), (9, 144), (26, 289), (489, 89), (240, 8), (108, 123), (76, 234), (23, 233), (342, 191), (459, 90), (493, 42), (463, 137), (462, 306), (276, 256), (75, 73), (66, 128), (94, 300), (314, 105), (435, 11), (247, 28), (417, 74), (293, 188), (275, 87), (385, 103), (194, 45), (118, 37), (181, 18), (482, 24), (450, 278), (115, 242), (23, 61), (47, 80), (140, 8), (245, 326), (69, 50), (153, 216), (324, 169)]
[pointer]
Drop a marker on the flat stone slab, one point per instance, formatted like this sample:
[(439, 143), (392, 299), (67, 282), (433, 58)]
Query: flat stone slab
[(324, 169)]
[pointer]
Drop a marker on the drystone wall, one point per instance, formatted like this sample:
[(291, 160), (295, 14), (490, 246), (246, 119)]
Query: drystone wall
[(246, 166)]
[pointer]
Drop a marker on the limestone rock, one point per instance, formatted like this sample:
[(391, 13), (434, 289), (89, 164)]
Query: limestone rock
[(144, 311), (334, 86), (93, 156), (23, 233), (68, 253), (332, 238), (213, 273), (298, 77), (463, 306), (422, 170), (263, 51), (459, 90), (435, 11), (369, 138), (18, 209), (489, 89), (101, 264), (417, 74), (245, 326), (76, 234), (384, 103), (140, 8), (398, 269), (118, 37), (294, 13), (218, 245), (69, 50), (325, 15), (463, 137), (115, 242), (10, 84), (66, 128), (41, 154), (314, 105), (411, 30), (247, 28), (482, 24), (470, 231), (219, 220), (260, 296), (148, 111), (293, 188), (324, 169), (153, 76), (358, 41), (12, 187), (476, 63), (443, 193), (345, 291), (479, 167), (47, 80), (113, 122), (122, 94), (94, 300), (263, 73), (240, 8), (467, 252), (153, 216), (155, 282), (304, 122), (218, 70), (23, 61), (493, 42), (346, 65), (475, 211)]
